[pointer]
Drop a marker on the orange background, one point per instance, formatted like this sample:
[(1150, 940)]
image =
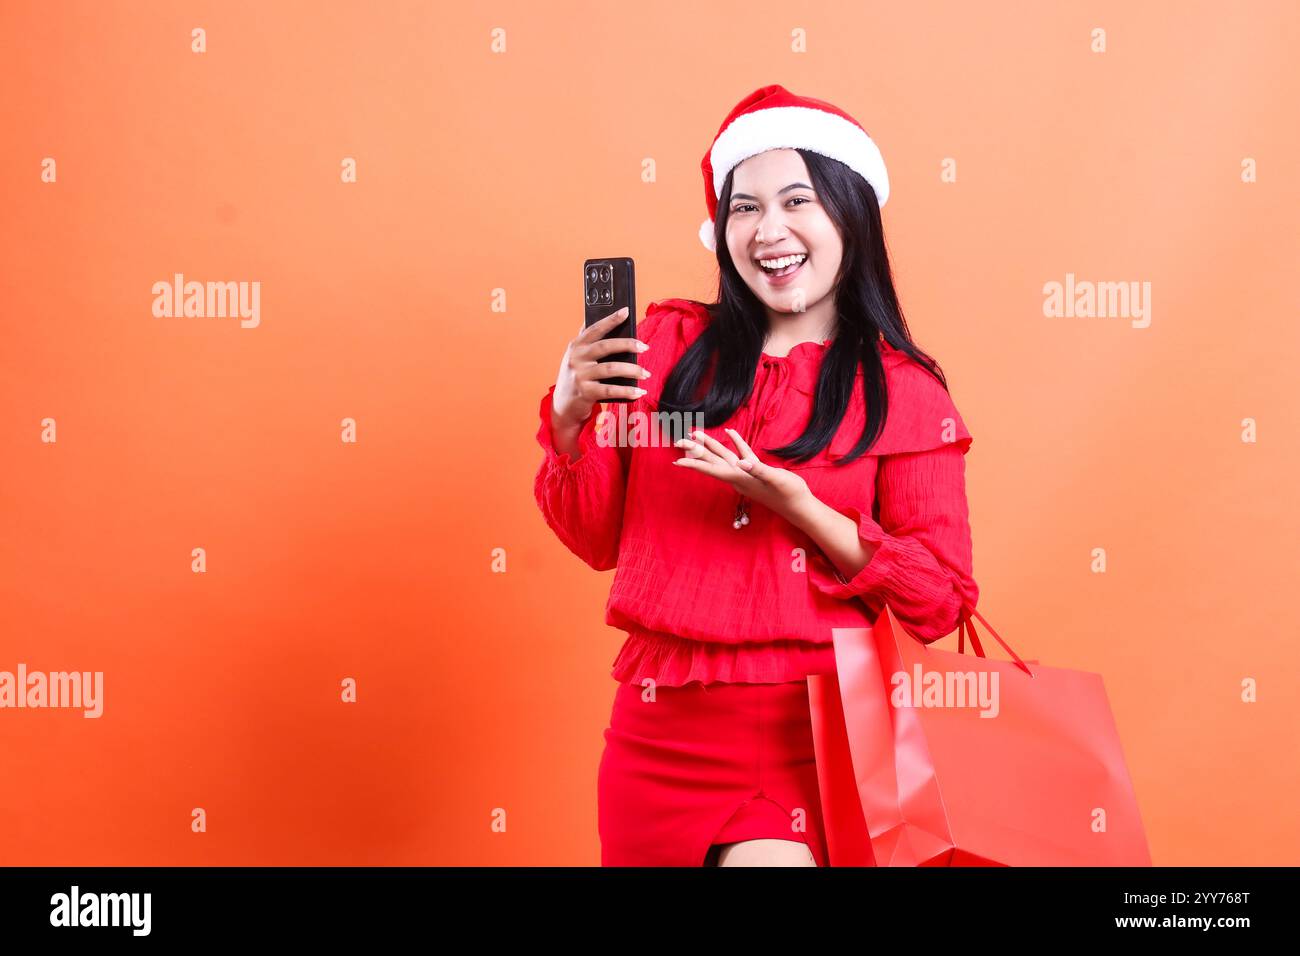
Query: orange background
[(480, 171)]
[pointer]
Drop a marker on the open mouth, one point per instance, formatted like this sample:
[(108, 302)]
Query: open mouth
[(783, 266)]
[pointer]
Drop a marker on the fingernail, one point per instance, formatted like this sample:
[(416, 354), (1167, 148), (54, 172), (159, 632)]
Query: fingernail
[(622, 311), (640, 392), (642, 347)]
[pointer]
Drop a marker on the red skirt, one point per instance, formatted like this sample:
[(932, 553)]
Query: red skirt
[(707, 764)]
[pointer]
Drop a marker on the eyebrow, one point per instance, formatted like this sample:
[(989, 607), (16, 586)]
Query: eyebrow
[(779, 191)]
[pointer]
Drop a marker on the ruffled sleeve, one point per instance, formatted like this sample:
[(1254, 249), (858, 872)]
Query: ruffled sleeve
[(922, 565), (582, 499)]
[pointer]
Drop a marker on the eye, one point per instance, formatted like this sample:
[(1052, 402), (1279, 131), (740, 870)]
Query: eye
[(748, 205)]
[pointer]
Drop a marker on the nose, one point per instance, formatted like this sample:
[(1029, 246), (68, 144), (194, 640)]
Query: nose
[(771, 226)]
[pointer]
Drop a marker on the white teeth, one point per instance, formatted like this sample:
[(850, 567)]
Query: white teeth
[(782, 262)]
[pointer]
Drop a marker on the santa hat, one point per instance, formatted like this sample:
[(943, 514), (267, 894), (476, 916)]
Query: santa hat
[(774, 118)]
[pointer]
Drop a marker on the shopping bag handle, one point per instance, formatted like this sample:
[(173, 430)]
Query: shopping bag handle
[(964, 621)]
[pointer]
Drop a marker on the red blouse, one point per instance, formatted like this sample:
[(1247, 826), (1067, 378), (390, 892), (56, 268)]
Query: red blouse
[(703, 601)]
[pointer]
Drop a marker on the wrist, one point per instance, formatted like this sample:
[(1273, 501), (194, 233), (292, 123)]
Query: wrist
[(565, 435), (562, 424)]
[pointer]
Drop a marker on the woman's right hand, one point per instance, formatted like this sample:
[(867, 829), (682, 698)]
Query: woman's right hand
[(578, 387)]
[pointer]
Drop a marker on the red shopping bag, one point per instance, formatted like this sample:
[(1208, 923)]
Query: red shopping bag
[(911, 774)]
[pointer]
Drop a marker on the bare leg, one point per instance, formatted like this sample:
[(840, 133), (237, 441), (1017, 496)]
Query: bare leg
[(765, 853)]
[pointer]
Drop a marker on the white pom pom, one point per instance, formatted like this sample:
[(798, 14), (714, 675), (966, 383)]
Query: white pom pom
[(706, 235)]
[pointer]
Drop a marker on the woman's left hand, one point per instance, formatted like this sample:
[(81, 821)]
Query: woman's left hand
[(778, 489)]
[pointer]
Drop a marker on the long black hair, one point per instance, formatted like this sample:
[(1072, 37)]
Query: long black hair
[(866, 308)]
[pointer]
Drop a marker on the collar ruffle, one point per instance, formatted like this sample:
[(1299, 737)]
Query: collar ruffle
[(921, 412)]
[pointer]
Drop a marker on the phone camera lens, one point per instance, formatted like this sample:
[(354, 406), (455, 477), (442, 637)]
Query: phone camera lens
[(592, 297), (607, 296)]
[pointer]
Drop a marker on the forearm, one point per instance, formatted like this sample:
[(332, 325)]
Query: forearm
[(916, 558), (834, 533), (564, 435)]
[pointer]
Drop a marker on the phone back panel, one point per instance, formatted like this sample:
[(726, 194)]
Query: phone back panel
[(607, 286)]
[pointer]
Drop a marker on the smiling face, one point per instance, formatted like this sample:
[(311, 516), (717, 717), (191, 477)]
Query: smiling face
[(774, 213)]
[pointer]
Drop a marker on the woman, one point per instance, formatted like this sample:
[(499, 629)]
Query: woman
[(828, 480)]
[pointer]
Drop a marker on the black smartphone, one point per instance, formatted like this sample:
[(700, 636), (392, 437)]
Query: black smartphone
[(607, 286)]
